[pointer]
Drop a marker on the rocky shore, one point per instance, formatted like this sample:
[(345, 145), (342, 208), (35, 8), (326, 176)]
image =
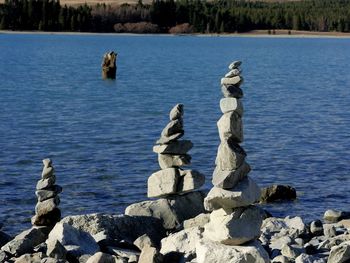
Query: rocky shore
[(181, 223)]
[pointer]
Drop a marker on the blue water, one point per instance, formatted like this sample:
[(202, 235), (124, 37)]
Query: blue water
[(100, 134)]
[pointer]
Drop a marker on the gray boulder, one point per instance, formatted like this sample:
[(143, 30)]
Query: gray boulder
[(176, 147), (231, 104), (245, 193), (172, 211), (163, 182), (230, 127), (227, 179)]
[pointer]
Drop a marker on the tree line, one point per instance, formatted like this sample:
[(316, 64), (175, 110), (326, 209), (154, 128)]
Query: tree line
[(181, 16)]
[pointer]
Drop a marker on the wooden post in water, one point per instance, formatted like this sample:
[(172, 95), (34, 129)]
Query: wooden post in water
[(109, 67)]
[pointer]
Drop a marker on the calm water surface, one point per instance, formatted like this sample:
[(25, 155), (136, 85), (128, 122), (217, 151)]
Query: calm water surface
[(100, 134)]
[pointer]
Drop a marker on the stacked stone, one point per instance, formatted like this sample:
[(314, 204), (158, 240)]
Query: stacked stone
[(172, 154), (233, 220), (46, 211)]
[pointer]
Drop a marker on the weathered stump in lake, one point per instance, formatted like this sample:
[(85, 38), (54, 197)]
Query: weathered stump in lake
[(109, 65)]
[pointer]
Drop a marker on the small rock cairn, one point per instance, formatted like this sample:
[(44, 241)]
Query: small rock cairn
[(172, 154), (233, 220), (109, 67), (46, 211)]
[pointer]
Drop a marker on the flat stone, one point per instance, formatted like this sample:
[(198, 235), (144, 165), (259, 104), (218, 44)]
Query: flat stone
[(176, 147), (277, 192), (46, 183), (173, 127), (176, 112), (246, 192), (231, 91), (212, 252), (198, 221), (340, 253), (230, 156), (168, 160), (235, 64), (47, 172), (234, 226), (163, 182), (169, 139), (238, 80), (231, 104), (227, 179), (25, 241), (43, 195), (75, 241), (189, 181), (230, 127), (44, 207), (48, 219), (232, 73), (172, 210), (150, 255)]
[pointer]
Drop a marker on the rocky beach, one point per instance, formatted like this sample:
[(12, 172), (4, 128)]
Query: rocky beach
[(181, 223)]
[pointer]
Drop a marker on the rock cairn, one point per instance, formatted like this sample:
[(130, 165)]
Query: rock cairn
[(109, 66), (172, 154), (46, 211), (233, 219)]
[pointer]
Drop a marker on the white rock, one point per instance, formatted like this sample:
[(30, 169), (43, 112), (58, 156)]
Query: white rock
[(235, 64), (329, 230), (212, 252), (74, 241), (163, 182), (150, 255), (230, 127), (232, 73), (231, 104), (340, 253), (176, 147), (168, 160), (198, 221), (278, 243), (280, 259), (291, 251), (305, 258), (238, 80), (183, 241), (230, 156), (190, 180), (234, 227), (295, 223), (143, 241), (47, 162), (227, 179), (246, 192)]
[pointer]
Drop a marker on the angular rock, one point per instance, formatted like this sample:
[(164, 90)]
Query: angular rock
[(150, 255), (143, 241), (280, 259), (234, 227), (231, 104), (235, 64), (198, 221), (212, 252), (46, 183), (55, 249), (169, 139), (291, 251), (230, 127), (227, 179), (163, 182), (43, 195), (305, 258), (329, 230), (75, 241), (230, 156), (100, 257), (168, 160), (25, 241), (176, 148), (183, 241), (278, 242), (172, 211), (245, 193), (176, 112), (238, 80), (44, 207), (119, 227), (231, 91), (340, 253), (232, 73), (190, 180), (277, 192), (173, 127)]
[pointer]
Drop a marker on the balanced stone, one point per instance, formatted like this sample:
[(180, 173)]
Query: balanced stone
[(237, 80), (176, 112), (168, 160), (48, 193), (227, 179), (230, 127), (231, 104), (190, 180), (47, 172), (173, 127), (171, 138), (46, 183), (176, 147), (47, 206), (231, 91), (230, 156), (234, 226), (235, 64), (163, 182), (245, 193), (49, 219), (232, 73), (47, 162)]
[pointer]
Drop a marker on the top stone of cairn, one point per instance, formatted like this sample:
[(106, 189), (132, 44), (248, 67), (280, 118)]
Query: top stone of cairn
[(176, 112)]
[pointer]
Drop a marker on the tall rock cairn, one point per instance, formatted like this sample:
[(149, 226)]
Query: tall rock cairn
[(46, 211), (172, 154), (109, 65), (233, 219)]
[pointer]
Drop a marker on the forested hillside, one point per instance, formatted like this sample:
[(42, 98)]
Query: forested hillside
[(182, 16)]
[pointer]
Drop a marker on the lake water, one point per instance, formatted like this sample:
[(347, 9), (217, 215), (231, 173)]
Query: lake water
[(99, 134)]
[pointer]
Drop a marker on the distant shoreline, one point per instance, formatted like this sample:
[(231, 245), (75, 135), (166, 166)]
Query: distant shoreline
[(254, 33)]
